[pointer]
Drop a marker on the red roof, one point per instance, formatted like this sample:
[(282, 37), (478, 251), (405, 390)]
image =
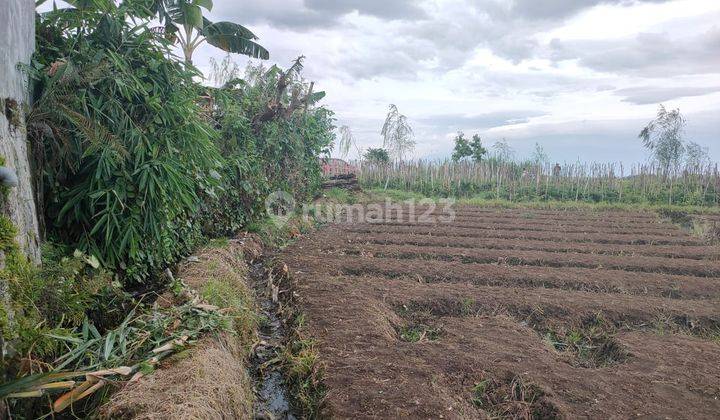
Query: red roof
[(332, 167)]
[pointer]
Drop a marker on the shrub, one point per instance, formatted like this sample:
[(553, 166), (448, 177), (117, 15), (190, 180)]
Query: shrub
[(124, 152)]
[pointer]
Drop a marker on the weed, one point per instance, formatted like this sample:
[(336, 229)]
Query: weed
[(416, 333), (512, 397), (593, 343), (340, 196), (304, 372), (678, 217)]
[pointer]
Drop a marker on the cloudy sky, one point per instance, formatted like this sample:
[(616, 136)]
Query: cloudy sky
[(580, 77)]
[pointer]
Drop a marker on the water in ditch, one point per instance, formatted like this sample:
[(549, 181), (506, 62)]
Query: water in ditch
[(272, 399)]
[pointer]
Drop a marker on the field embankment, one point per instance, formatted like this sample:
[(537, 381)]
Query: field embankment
[(209, 379)]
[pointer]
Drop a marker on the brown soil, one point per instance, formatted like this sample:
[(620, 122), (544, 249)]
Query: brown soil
[(610, 238), (532, 227), (704, 252), (444, 322)]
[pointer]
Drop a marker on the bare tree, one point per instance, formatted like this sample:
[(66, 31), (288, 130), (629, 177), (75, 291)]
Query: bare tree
[(696, 156), (663, 138), (223, 71), (539, 156), (398, 137), (502, 151), (347, 140)]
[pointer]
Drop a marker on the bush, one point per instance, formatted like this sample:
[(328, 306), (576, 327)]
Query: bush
[(262, 156), (53, 300), (126, 155), (135, 170)]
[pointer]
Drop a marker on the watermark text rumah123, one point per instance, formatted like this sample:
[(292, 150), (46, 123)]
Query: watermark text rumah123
[(280, 206)]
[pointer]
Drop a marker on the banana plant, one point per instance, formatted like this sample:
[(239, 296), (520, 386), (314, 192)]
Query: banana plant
[(184, 23)]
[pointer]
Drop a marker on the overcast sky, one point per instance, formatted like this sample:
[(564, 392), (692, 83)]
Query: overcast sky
[(580, 77)]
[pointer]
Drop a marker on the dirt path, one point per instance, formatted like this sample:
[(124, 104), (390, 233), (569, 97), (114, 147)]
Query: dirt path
[(513, 313)]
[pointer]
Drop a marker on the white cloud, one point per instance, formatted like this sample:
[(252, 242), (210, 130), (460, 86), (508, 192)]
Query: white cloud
[(579, 76)]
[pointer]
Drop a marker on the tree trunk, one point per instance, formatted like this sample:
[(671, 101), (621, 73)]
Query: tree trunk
[(17, 42)]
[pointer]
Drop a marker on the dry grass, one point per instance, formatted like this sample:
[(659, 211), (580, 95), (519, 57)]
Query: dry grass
[(209, 381)]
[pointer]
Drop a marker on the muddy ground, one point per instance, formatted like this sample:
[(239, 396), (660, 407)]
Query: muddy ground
[(514, 314)]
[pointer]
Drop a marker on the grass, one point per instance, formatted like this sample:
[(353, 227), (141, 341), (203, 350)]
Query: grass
[(278, 235), (398, 195), (340, 196), (688, 221), (238, 304), (304, 373), (592, 344), (415, 333)]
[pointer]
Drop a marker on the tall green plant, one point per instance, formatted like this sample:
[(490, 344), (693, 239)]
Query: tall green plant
[(271, 134), (118, 135), (184, 22)]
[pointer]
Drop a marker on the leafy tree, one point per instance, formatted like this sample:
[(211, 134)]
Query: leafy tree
[(398, 137), (462, 148), (377, 156), (663, 138), (126, 156), (478, 151), (184, 22), (468, 149), (134, 170), (272, 131)]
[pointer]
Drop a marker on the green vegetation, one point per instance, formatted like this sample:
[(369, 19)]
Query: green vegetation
[(472, 149), (184, 22), (136, 165), (530, 182), (136, 168), (662, 209), (415, 333), (592, 344), (377, 156), (340, 196), (304, 371), (238, 304)]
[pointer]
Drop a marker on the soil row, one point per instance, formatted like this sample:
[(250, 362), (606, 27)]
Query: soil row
[(565, 218), (371, 373), (580, 279), (599, 215), (615, 238), (659, 232), (668, 251), (557, 307), (492, 316), (539, 258)]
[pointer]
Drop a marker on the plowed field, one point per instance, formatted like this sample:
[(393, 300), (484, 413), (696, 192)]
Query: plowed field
[(513, 314)]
